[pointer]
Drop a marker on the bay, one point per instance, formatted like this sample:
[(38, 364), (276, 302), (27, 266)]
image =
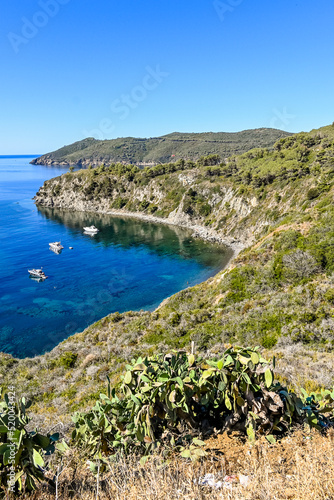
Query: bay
[(128, 265)]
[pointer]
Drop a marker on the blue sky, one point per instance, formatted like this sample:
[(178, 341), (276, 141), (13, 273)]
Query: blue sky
[(74, 68)]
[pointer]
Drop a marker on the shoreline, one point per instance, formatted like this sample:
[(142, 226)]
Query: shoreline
[(198, 230)]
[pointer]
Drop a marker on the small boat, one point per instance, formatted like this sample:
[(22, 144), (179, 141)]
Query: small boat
[(56, 246), (38, 280), (37, 273), (91, 229)]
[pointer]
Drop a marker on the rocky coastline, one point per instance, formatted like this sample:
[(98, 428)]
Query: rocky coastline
[(175, 218), (49, 161), (198, 231), (228, 223)]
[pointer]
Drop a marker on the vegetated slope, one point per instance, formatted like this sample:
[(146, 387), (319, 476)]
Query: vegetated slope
[(278, 292), (162, 149)]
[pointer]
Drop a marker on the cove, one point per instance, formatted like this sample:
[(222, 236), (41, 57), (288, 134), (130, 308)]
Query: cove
[(128, 265)]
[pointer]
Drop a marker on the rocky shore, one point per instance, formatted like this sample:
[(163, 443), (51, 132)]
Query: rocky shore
[(175, 218), (198, 230), (228, 222)]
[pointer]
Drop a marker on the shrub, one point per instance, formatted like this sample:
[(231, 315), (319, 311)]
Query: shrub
[(288, 240), (329, 295), (299, 265), (56, 190), (192, 193), (143, 204), (68, 359), (129, 176), (313, 193), (237, 284), (175, 319), (210, 160), (269, 340), (204, 209), (119, 202), (116, 317), (188, 207)]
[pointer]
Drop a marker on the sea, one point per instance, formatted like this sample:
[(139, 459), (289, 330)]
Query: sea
[(128, 265)]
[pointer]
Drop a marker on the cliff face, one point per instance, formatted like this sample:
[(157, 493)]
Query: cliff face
[(214, 211)]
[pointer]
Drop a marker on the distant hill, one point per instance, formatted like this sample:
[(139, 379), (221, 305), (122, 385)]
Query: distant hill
[(164, 149)]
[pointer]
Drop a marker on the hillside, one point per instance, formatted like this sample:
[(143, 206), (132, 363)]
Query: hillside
[(278, 292), (275, 208), (163, 149)]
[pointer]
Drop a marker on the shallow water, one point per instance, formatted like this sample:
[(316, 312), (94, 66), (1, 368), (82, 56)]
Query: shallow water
[(128, 265)]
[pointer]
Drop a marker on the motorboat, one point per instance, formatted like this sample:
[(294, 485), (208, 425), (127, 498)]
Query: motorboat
[(56, 246), (91, 229), (38, 280), (37, 273)]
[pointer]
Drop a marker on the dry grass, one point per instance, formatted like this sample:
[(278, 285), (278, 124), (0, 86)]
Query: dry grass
[(300, 366), (300, 467)]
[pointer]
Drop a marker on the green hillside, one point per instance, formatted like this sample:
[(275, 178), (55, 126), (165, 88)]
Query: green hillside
[(156, 150), (277, 293)]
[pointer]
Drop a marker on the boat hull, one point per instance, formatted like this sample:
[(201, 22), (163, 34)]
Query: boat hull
[(91, 229), (35, 273), (56, 247)]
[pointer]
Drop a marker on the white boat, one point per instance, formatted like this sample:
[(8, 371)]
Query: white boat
[(38, 280), (37, 273), (91, 229), (56, 246)]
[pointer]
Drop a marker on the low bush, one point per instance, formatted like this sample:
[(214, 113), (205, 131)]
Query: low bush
[(143, 204), (313, 193), (119, 202), (68, 359), (299, 265)]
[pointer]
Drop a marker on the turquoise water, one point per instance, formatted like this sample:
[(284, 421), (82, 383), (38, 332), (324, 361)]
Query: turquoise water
[(128, 265)]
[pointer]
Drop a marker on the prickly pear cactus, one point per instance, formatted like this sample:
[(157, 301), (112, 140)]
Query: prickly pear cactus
[(22, 453), (167, 401)]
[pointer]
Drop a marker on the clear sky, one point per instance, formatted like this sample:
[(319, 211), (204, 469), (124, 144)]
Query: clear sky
[(106, 68)]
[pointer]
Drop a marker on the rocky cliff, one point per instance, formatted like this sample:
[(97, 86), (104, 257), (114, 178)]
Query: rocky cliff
[(216, 213)]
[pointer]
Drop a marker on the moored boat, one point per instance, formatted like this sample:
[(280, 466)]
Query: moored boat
[(91, 229), (38, 280), (56, 246), (37, 273)]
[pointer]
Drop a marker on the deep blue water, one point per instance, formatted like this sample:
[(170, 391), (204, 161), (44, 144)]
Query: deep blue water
[(128, 265)]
